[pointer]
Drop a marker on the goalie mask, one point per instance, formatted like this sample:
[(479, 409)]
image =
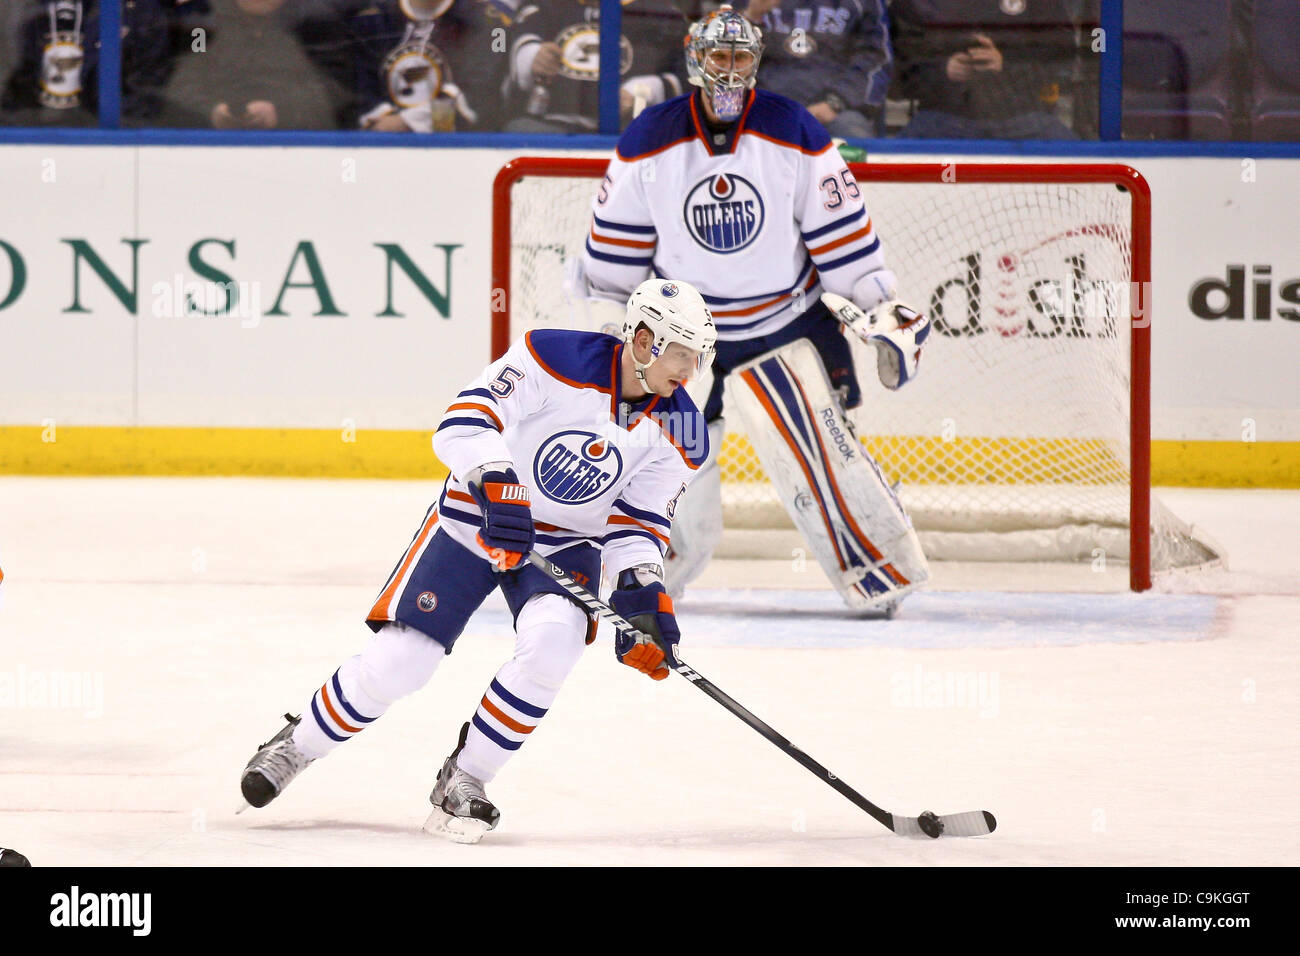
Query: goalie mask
[(722, 54), (675, 313)]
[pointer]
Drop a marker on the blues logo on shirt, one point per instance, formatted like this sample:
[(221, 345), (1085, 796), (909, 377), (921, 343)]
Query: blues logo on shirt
[(574, 467), (724, 213)]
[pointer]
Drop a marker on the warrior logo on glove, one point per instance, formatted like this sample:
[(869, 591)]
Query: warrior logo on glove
[(507, 534)]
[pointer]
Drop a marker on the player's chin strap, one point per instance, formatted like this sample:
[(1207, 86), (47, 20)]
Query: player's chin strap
[(639, 367)]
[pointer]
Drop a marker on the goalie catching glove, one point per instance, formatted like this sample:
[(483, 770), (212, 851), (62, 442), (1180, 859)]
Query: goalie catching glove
[(507, 531), (896, 330), (649, 609)]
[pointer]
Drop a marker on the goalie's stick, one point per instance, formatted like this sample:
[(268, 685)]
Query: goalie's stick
[(970, 823)]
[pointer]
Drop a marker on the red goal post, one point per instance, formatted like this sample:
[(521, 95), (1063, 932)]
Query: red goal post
[(954, 175)]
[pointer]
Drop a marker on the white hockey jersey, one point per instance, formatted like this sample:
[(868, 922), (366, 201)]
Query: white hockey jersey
[(597, 468), (749, 217)]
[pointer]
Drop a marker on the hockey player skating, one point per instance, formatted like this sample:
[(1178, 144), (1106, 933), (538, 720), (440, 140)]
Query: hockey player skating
[(575, 444), (740, 192)]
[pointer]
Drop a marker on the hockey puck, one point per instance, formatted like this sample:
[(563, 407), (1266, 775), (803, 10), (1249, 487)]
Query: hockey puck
[(930, 824)]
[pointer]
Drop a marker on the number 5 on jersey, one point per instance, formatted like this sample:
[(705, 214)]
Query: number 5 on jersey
[(504, 383)]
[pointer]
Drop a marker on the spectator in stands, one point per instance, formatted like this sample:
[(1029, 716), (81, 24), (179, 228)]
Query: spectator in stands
[(425, 65), (1187, 67), (11, 17), (252, 71), (833, 56), (555, 63), (1276, 73), (55, 79), (989, 69)]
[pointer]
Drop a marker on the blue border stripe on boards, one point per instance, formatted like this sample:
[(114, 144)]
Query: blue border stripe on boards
[(932, 148)]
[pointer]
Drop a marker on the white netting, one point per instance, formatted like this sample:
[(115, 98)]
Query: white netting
[(1013, 443)]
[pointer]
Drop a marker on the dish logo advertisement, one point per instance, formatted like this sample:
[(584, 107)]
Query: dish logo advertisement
[(1213, 298)]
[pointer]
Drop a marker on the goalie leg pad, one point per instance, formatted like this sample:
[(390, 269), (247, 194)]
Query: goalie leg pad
[(834, 492), (697, 520)]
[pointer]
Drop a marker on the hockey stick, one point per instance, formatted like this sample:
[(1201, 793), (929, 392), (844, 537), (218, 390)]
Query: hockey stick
[(970, 823)]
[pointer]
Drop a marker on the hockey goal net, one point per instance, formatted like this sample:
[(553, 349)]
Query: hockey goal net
[(1027, 434)]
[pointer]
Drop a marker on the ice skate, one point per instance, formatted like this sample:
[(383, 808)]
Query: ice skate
[(276, 763), (461, 810)]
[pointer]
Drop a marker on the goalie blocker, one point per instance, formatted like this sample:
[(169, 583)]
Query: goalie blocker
[(835, 493)]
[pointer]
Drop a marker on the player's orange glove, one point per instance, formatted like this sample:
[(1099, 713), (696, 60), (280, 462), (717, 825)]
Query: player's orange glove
[(507, 534), (649, 609)]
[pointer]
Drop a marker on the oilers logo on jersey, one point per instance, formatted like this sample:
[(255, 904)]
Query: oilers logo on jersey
[(724, 213), (574, 466)]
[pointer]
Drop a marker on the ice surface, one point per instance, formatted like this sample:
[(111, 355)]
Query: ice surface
[(180, 617)]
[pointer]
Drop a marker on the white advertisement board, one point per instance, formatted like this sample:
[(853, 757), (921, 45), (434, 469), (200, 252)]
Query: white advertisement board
[(241, 287), (309, 287)]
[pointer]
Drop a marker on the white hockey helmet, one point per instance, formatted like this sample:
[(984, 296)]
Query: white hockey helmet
[(674, 312), (724, 80)]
